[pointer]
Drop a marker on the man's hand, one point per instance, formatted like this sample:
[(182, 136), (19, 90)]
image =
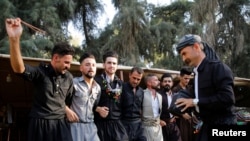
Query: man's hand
[(103, 111), (186, 116), (71, 115), (163, 123), (186, 102), (13, 27)]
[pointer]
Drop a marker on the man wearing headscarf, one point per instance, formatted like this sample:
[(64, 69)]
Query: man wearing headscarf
[(213, 82)]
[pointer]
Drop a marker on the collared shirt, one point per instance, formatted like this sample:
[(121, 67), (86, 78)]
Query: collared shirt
[(165, 104), (85, 99), (196, 83), (131, 102), (52, 91), (196, 87), (155, 106), (169, 95)]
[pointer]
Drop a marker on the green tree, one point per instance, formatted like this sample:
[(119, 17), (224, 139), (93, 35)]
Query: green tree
[(226, 26), (127, 25), (166, 25), (51, 16), (85, 18)]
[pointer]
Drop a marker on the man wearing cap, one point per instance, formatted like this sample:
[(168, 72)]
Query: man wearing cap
[(213, 82)]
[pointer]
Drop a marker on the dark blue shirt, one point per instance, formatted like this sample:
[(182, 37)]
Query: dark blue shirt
[(131, 103)]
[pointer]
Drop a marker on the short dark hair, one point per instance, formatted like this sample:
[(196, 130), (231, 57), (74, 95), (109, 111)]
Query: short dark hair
[(62, 49), (109, 54), (185, 71), (166, 75), (137, 69), (86, 55)]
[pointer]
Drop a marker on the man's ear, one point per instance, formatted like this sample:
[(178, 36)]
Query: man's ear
[(55, 57), (196, 46)]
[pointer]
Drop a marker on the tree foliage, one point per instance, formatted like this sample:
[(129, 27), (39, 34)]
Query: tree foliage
[(143, 34), (85, 17), (128, 24), (225, 28), (44, 14)]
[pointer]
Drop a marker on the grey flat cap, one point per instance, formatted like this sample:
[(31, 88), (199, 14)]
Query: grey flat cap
[(187, 40), (190, 39)]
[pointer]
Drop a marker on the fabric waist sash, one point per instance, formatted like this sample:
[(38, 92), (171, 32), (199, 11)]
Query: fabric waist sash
[(151, 122)]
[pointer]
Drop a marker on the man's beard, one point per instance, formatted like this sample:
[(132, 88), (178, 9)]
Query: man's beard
[(89, 76), (167, 88), (156, 87)]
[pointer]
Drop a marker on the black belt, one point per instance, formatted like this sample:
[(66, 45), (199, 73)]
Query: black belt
[(131, 121), (84, 122)]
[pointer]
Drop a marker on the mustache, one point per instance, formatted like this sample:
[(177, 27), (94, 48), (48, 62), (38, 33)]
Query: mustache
[(91, 71), (167, 87), (187, 61), (89, 75)]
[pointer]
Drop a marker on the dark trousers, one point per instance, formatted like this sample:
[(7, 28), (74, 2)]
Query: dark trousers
[(186, 129), (111, 130), (171, 132), (134, 130), (49, 130)]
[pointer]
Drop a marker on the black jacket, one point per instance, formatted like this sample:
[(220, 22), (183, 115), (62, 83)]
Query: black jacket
[(215, 92)]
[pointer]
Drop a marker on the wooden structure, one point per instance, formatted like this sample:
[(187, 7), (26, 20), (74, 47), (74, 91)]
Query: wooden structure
[(17, 92)]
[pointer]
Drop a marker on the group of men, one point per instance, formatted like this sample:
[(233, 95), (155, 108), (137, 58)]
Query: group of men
[(104, 108)]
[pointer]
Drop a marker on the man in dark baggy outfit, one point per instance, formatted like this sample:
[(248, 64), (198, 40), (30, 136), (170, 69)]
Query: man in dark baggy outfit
[(108, 112), (131, 103), (53, 88)]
